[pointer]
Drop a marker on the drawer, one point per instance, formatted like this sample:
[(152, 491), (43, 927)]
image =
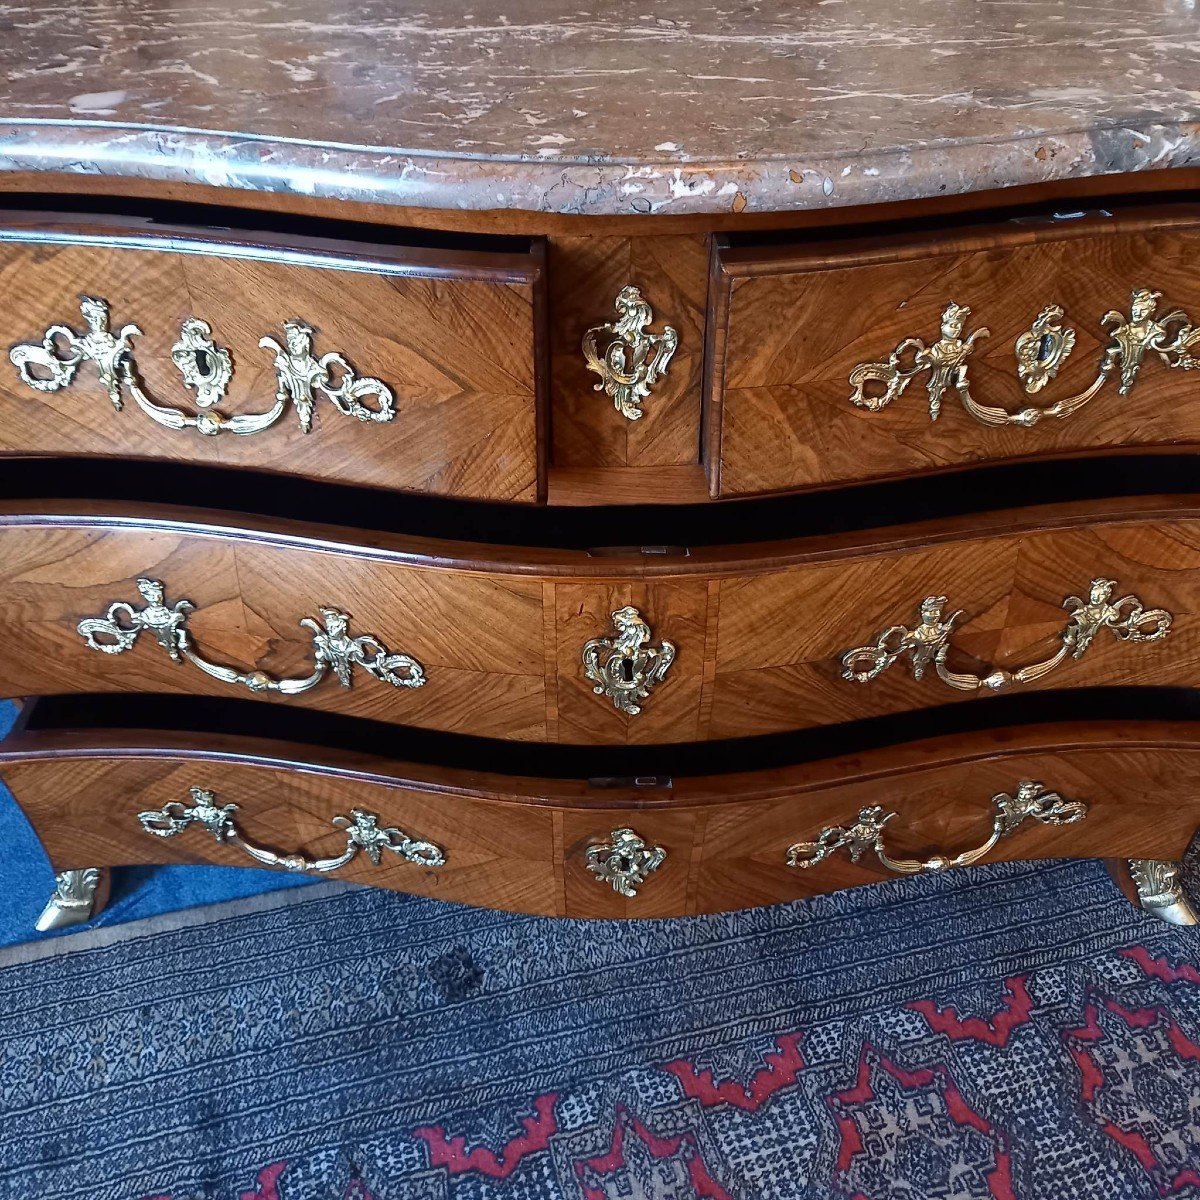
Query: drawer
[(554, 846), (393, 366), (856, 359), (555, 645)]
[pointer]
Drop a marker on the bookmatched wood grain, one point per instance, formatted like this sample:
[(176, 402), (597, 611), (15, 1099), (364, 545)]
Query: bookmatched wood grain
[(521, 842), (456, 335), (478, 635), (790, 322), (759, 630), (586, 273), (90, 806)]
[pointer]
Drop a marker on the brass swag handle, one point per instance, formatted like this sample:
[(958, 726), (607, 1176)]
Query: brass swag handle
[(362, 833), (50, 365), (333, 648), (929, 641), (629, 360), (1031, 803), (1041, 350)]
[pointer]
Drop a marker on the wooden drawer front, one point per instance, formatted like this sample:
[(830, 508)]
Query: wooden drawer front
[(1127, 780), (732, 643), (451, 335), (496, 854), (783, 638), (790, 325), (477, 636), (525, 844)]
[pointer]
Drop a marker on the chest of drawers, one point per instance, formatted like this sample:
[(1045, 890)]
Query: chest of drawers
[(636, 535)]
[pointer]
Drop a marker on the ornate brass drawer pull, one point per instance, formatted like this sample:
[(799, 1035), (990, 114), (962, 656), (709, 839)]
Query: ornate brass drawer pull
[(333, 648), (1040, 352), (631, 360), (624, 861), (929, 641), (362, 833), (624, 668), (1031, 803), (206, 368)]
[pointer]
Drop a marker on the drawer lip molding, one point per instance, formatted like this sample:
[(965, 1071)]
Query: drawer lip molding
[(525, 843), (134, 340), (518, 644), (746, 255), (799, 336), (52, 228), (438, 554), (878, 764)]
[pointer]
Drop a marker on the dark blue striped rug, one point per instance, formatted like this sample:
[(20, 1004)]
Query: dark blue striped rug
[(1014, 1031)]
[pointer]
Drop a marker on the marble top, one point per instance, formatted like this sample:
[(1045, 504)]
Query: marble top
[(702, 106)]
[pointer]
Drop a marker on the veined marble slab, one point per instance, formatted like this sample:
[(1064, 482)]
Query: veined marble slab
[(706, 106)]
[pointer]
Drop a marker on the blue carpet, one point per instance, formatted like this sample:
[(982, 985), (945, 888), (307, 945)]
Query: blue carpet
[(1015, 1032), (26, 879)]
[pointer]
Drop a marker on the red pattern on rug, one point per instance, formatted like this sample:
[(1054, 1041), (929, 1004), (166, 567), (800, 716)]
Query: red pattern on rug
[(857, 1108), (644, 1149), (452, 1152), (1018, 1005), (1124, 1053), (781, 1070)]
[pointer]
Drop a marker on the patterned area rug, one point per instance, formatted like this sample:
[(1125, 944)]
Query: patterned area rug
[(1007, 1032)]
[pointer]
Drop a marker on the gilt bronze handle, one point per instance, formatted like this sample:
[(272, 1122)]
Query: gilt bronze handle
[(1031, 802), (929, 641), (51, 364), (362, 828), (333, 647), (1040, 350)]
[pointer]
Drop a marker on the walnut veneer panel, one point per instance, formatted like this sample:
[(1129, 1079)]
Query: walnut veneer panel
[(1139, 806), (521, 843), (789, 324), (452, 333), (759, 631), (478, 636), (500, 854), (586, 273), (781, 636)]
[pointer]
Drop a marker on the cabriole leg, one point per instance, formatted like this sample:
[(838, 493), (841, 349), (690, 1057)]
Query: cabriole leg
[(1160, 891), (78, 896)]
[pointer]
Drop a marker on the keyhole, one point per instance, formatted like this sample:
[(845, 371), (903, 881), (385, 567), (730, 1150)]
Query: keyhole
[(627, 670), (203, 366), (624, 863), (1045, 347)]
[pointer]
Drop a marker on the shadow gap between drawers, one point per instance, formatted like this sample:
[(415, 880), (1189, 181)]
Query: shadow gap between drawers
[(602, 765), (131, 215), (668, 529)]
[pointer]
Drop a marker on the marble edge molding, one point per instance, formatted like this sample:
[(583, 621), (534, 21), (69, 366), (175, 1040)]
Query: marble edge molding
[(590, 188)]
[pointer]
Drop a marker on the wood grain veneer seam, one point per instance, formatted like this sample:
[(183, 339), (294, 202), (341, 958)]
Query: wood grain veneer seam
[(559, 861), (550, 658)]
